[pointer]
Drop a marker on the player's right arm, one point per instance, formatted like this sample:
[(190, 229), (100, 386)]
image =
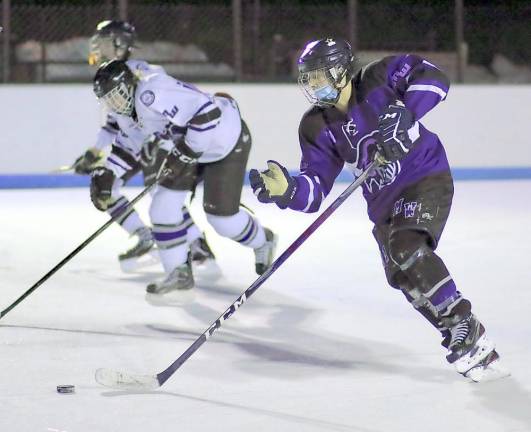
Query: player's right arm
[(121, 165), (93, 156), (123, 160), (320, 165)]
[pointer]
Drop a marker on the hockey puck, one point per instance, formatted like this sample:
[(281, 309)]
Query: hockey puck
[(68, 388)]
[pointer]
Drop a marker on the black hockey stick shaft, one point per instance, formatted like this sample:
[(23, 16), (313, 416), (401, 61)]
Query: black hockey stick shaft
[(163, 376), (78, 249)]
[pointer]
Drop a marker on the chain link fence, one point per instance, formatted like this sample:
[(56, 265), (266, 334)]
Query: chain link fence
[(260, 40)]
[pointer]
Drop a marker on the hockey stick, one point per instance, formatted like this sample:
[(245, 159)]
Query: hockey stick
[(72, 254), (63, 169), (125, 381)]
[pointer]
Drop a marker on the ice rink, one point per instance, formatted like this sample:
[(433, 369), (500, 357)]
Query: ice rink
[(324, 345)]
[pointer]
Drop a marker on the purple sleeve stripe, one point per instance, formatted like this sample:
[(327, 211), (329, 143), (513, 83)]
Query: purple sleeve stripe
[(203, 129), (110, 159), (202, 108)]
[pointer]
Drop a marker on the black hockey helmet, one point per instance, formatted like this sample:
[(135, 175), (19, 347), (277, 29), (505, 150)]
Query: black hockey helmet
[(325, 67), (114, 85), (112, 40)]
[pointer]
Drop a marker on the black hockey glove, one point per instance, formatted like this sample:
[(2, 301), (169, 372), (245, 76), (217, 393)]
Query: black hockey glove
[(178, 158), (88, 161), (101, 187), (394, 122), (150, 149), (159, 161), (273, 185)]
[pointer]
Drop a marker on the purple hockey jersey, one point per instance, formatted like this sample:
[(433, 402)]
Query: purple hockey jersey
[(330, 139)]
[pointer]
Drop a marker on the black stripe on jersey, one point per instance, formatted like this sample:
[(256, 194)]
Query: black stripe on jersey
[(124, 155), (370, 77), (429, 73), (111, 126), (110, 129), (201, 119), (172, 131)]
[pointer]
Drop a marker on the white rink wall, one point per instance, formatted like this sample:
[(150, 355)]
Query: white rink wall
[(46, 126)]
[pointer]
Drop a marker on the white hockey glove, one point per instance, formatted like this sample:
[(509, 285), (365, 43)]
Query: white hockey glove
[(273, 185)]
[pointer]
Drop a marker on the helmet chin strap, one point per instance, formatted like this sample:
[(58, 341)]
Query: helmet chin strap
[(344, 96)]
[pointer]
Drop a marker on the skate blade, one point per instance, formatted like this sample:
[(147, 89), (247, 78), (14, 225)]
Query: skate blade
[(136, 264), (173, 298), (494, 371), (208, 270)]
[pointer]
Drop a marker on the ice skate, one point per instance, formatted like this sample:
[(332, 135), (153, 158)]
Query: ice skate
[(489, 369), (469, 345), (203, 260), (176, 288), (141, 254), (264, 254)]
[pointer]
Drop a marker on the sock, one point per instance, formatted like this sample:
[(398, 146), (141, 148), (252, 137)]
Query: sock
[(241, 227), (130, 221)]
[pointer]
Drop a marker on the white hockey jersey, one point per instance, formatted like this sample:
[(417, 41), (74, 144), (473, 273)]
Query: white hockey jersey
[(210, 125), (164, 106)]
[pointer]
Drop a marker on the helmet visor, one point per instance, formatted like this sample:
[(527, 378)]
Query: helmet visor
[(120, 99), (318, 87)]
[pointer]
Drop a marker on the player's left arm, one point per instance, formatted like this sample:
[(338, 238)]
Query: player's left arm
[(305, 192), (417, 82)]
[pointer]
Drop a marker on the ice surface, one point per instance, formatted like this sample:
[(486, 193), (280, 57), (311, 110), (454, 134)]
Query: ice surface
[(324, 345)]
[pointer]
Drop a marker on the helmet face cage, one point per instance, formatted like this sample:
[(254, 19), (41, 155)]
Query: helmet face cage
[(120, 99), (323, 86)]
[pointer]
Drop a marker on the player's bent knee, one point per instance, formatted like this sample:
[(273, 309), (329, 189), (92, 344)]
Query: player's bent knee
[(406, 247), (166, 206)]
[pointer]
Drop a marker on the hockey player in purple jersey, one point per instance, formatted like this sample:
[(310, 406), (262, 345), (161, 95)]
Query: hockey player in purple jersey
[(377, 110)]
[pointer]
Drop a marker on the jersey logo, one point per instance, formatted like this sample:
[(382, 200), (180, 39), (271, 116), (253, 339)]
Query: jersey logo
[(398, 207), (401, 73), (147, 97), (350, 129), (384, 176), (330, 42), (409, 209), (171, 113)]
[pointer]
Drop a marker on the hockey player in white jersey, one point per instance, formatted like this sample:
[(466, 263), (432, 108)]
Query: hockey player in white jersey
[(196, 132), (116, 40)]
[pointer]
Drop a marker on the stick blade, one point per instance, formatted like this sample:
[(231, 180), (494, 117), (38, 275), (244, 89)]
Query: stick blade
[(124, 381), (62, 169)]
